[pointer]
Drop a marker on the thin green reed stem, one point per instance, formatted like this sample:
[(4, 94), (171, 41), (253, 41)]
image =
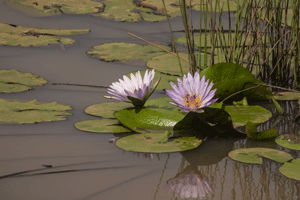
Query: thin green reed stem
[(173, 39), (205, 36), (200, 32), (190, 42)]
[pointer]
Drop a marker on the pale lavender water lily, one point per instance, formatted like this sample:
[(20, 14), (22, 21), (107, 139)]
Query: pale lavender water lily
[(192, 94), (135, 90)]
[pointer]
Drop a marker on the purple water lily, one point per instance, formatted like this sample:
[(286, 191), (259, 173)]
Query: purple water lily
[(192, 94), (135, 90)]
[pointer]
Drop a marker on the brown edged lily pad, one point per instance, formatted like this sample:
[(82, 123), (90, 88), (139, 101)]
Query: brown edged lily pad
[(21, 112), (29, 36), (101, 126), (56, 7), (15, 81)]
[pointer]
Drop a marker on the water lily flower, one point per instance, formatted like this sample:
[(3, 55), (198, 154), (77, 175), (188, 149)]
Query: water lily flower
[(135, 90), (192, 94)]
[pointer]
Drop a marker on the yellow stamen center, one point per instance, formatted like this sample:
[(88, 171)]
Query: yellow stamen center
[(192, 101)]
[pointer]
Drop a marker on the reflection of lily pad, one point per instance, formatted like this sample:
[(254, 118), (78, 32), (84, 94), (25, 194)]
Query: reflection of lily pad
[(125, 52), (55, 7), (29, 36), (15, 81), (291, 169), (101, 126), (282, 96), (156, 143), (148, 119), (14, 111), (289, 141), (240, 115), (254, 155)]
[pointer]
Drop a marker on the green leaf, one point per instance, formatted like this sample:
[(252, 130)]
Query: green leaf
[(252, 133), (243, 102), (283, 96), (240, 115), (55, 7), (168, 63), (15, 81), (289, 141), (107, 109), (14, 111), (125, 52), (145, 120), (101, 126), (291, 169), (277, 106), (229, 78), (156, 143), (254, 155), (29, 36)]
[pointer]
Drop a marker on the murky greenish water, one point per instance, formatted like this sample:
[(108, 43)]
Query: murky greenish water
[(56, 161)]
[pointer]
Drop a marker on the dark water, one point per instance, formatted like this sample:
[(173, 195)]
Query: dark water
[(84, 165)]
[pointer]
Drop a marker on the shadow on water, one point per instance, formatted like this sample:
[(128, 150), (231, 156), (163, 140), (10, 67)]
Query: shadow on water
[(56, 161)]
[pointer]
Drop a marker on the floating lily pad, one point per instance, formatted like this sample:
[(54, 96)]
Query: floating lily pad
[(283, 96), (291, 169), (168, 63), (252, 133), (101, 126), (230, 78), (135, 11), (125, 52), (15, 81), (55, 7), (156, 143), (107, 109), (254, 155), (145, 120), (29, 36), (289, 141), (15, 111), (240, 115)]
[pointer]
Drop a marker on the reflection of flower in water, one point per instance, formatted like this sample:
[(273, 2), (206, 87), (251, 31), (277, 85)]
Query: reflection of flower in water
[(189, 183)]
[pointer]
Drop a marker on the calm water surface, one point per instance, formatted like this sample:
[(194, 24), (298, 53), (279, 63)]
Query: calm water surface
[(84, 165)]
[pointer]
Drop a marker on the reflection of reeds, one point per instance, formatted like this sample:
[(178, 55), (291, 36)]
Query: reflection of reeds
[(265, 39)]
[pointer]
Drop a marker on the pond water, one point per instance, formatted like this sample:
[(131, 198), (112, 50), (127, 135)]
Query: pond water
[(56, 161)]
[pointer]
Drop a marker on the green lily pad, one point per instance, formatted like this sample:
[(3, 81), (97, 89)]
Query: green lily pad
[(230, 78), (29, 36), (101, 126), (291, 169), (15, 111), (56, 7), (240, 115), (254, 155), (168, 63), (135, 11), (283, 96), (15, 81), (252, 133), (156, 143), (144, 120), (289, 141), (125, 52), (107, 109)]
